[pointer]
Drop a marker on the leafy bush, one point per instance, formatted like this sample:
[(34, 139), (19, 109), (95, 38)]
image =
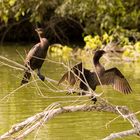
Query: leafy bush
[(92, 42), (131, 51), (58, 50)]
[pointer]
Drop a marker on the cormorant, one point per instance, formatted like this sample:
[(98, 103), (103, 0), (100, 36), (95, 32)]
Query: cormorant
[(101, 76), (35, 57), (111, 76)]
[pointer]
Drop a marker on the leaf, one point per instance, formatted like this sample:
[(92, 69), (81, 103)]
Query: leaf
[(23, 13), (17, 16), (12, 2), (5, 18)]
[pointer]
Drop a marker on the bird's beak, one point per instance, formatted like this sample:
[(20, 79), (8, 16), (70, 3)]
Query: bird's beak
[(35, 30)]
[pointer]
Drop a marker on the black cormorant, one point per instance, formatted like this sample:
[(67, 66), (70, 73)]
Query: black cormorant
[(35, 57), (90, 79), (111, 76)]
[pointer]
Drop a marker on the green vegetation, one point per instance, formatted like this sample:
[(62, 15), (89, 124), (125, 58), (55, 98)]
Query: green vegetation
[(58, 50), (130, 51), (17, 9), (101, 21), (103, 15)]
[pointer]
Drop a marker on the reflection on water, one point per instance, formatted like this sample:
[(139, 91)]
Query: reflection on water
[(28, 101)]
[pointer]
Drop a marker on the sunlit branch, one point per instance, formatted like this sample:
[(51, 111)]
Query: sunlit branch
[(36, 121)]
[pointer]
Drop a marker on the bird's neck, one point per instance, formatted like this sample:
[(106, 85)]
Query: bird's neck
[(41, 36), (99, 68), (43, 40), (96, 60)]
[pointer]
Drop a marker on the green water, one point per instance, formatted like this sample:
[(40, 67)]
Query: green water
[(28, 101)]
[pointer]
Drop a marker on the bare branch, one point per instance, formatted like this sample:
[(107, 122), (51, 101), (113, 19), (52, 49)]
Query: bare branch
[(120, 134), (36, 121), (17, 65)]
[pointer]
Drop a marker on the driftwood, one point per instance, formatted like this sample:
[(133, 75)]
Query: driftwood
[(36, 121)]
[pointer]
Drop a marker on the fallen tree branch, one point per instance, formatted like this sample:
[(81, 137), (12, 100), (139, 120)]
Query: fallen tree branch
[(36, 121), (120, 134)]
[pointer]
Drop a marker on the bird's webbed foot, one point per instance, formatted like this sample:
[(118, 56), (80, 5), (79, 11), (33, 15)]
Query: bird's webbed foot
[(82, 93), (42, 77), (93, 99), (24, 81)]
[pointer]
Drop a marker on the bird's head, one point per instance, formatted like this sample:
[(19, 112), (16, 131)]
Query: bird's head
[(97, 55), (39, 30)]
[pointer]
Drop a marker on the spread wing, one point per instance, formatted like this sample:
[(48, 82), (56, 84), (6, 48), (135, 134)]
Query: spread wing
[(115, 78), (72, 75), (68, 76)]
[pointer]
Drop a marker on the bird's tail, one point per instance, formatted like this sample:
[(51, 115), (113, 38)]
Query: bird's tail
[(26, 77)]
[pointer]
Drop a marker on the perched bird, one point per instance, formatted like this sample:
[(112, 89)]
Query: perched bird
[(35, 57), (90, 79), (109, 77)]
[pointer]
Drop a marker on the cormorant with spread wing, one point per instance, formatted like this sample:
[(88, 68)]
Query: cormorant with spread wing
[(101, 76)]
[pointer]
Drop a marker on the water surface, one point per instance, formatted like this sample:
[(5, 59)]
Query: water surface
[(28, 101)]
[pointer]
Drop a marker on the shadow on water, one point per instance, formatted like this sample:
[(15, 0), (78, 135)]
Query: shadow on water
[(27, 101)]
